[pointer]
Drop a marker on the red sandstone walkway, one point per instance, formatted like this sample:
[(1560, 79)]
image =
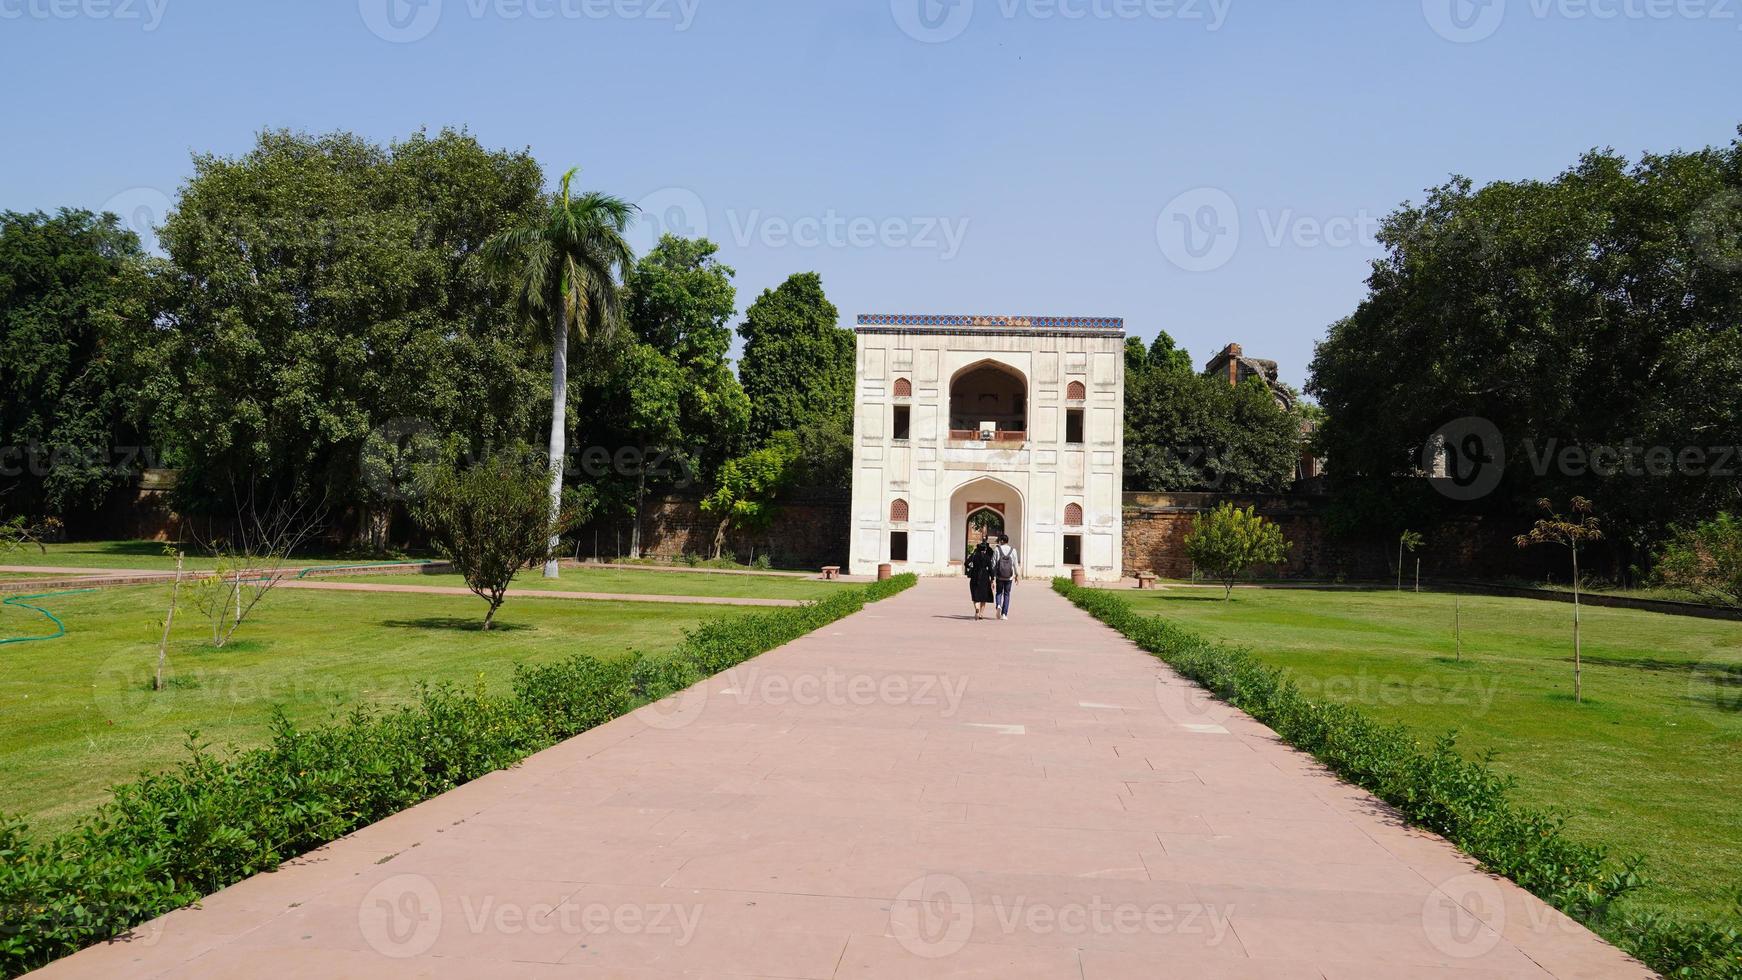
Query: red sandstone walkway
[(907, 793)]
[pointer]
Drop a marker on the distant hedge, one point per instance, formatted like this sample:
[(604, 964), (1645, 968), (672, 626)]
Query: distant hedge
[(1467, 802), (173, 837)]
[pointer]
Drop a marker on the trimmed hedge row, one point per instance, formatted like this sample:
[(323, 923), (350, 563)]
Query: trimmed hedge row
[(1467, 802), (171, 838)]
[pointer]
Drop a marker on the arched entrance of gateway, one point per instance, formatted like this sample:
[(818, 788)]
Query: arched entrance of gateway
[(984, 506)]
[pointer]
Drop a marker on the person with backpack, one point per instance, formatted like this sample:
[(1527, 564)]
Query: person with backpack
[(1007, 567)]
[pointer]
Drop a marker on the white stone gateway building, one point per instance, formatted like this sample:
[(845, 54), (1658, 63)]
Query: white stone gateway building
[(969, 424)]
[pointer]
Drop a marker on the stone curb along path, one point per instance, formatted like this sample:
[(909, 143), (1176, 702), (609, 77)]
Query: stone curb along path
[(905, 793)]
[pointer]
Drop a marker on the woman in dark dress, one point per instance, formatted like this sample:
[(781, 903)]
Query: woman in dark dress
[(980, 570)]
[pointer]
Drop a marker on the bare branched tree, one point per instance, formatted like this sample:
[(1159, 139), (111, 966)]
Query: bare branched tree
[(253, 557), (1571, 532)]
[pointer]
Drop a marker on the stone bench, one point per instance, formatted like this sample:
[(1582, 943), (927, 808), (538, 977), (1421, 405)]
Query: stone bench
[(831, 572), (1146, 580)]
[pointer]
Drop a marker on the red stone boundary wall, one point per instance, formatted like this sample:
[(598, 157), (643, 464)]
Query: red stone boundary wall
[(1156, 526)]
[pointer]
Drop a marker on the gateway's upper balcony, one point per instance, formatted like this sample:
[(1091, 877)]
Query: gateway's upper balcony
[(989, 408)]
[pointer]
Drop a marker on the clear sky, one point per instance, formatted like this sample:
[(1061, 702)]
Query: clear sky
[(1209, 167)]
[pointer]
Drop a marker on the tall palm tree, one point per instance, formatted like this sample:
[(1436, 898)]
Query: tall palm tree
[(565, 267)]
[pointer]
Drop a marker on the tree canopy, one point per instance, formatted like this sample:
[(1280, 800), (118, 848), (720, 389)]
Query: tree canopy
[(1188, 432), (74, 301), (798, 365), (1600, 311), (322, 287)]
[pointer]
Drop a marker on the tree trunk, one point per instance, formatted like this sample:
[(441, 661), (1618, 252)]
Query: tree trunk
[(168, 621), (1578, 664), (1418, 575), (490, 617), (640, 497), (720, 536), (1400, 567), (559, 408)]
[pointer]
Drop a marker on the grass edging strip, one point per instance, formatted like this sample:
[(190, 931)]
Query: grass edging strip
[(1467, 802), (171, 838)]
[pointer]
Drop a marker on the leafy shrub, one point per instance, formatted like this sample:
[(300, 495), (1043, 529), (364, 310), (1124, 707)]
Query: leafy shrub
[(490, 520), (1705, 559), (1229, 542), (171, 837), (763, 562), (1467, 802)]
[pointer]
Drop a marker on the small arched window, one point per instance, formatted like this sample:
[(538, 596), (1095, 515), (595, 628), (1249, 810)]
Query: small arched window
[(1077, 392), (903, 388), (1073, 515), (898, 512)]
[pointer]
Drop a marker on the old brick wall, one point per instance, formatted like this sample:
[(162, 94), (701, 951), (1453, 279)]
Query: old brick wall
[(1156, 525), (811, 531)]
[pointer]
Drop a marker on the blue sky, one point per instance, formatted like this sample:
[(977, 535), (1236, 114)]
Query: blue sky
[(1209, 167)]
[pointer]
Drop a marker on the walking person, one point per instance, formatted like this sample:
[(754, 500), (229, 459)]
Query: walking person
[(1007, 568), (979, 571)]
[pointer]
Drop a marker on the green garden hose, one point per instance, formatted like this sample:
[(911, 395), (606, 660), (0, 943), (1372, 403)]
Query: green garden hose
[(21, 602)]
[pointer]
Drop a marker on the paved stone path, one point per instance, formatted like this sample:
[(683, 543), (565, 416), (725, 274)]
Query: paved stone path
[(907, 793)]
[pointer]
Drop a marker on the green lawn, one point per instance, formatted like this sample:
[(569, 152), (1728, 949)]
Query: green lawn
[(77, 715), (1649, 764), (128, 555), (620, 581)]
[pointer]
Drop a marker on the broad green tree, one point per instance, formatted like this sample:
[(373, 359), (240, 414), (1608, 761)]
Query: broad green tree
[(680, 303), (798, 366), (1230, 542), (748, 487), (74, 301), (1598, 313), (565, 267), (326, 288)]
